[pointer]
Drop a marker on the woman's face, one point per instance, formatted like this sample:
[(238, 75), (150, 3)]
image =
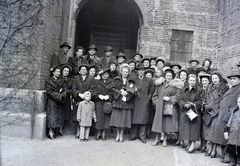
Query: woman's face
[(120, 60), (183, 76), (137, 58), (175, 69), (57, 73), (124, 72), (192, 81), (65, 72), (205, 82), (146, 64), (108, 53), (92, 72), (105, 75), (132, 66), (113, 67), (92, 51), (215, 79), (168, 77), (153, 62), (206, 63), (149, 75), (79, 53), (160, 64), (234, 81)]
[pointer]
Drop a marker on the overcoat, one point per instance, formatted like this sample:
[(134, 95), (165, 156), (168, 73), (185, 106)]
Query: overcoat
[(102, 88), (228, 101), (113, 74), (165, 123), (55, 98), (86, 112), (234, 128), (190, 130), (103, 63), (121, 114), (75, 62), (212, 98), (68, 83), (145, 90), (91, 62), (81, 86)]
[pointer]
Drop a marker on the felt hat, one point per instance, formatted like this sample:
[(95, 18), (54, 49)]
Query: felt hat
[(125, 65), (92, 46), (83, 65), (121, 55), (131, 61), (234, 73), (113, 62), (175, 64), (77, 48), (208, 76), (194, 60), (140, 66), (65, 44), (168, 70), (160, 59), (137, 53), (67, 65), (108, 48), (146, 59), (149, 71), (104, 70)]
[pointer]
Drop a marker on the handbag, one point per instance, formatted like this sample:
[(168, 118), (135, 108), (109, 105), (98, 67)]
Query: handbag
[(207, 119), (191, 114), (107, 107), (168, 109)]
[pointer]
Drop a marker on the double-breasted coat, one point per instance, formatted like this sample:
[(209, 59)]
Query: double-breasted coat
[(102, 88), (68, 83), (190, 130), (86, 112), (81, 86), (228, 101), (56, 96), (145, 90), (213, 97), (121, 114)]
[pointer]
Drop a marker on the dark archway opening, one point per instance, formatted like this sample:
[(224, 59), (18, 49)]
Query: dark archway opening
[(108, 22)]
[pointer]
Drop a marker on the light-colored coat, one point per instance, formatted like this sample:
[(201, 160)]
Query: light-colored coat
[(86, 112)]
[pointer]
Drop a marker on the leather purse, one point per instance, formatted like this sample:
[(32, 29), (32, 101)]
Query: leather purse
[(191, 114), (107, 107), (168, 109), (207, 119)]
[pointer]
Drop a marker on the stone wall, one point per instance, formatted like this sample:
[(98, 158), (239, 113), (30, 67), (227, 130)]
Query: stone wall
[(229, 35)]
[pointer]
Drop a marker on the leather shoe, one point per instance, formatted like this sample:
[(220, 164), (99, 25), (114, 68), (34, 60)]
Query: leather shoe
[(98, 137), (132, 139), (104, 138), (143, 140)]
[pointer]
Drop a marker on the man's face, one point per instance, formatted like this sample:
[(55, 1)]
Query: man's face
[(65, 49), (137, 58), (120, 60), (141, 72), (132, 66), (92, 51), (193, 64), (146, 64), (205, 82), (83, 70), (113, 67), (108, 53), (79, 53), (192, 81)]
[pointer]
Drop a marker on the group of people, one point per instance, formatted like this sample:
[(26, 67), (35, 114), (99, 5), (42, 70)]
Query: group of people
[(143, 95)]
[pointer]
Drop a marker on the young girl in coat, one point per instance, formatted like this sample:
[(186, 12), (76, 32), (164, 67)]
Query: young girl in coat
[(85, 114), (232, 134)]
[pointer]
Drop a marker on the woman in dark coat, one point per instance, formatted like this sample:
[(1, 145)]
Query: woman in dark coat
[(101, 96), (122, 102), (56, 96), (165, 95), (228, 101), (82, 83), (190, 97), (213, 96), (66, 69), (77, 59)]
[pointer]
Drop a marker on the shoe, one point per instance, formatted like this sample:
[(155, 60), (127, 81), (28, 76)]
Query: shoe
[(117, 139), (86, 140), (232, 164), (177, 143), (207, 154), (132, 139), (104, 138), (224, 161), (164, 144), (60, 133), (81, 140), (191, 151), (202, 150), (143, 140), (213, 155), (77, 136), (198, 148), (148, 136), (182, 145), (187, 148), (98, 137), (50, 137)]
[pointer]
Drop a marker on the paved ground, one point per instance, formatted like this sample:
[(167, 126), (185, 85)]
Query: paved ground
[(69, 151)]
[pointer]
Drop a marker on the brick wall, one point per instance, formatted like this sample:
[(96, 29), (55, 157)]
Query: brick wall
[(229, 35)]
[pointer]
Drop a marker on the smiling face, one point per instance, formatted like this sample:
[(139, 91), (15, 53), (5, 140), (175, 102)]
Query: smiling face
[(137, 58), (168, 77), (183, 76), (120, 60), (65, 72), (83, 70), (205, 82), (215, 79), (92, 72), (56, 73), (192, 81), (124, 72), (105, 75), (175, 69)]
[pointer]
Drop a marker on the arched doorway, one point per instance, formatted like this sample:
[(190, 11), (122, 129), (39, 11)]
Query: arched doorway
[(108, 22)]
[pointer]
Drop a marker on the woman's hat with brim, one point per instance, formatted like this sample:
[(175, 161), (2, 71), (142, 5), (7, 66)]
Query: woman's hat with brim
[(93, 66), (121, 55), (234, 73), (194, 60), (140, 66), (131, 61), (65, 44), (160, 59), (105, 70), (151, 71), (79, 47), (92, 46), (168, 70), (183, 70), (137, 53), (67, 65), (83, 65), (108, 48), (175, 64), (113, 62), (208, 76), (52, 69), (125, 65), (146, 59)]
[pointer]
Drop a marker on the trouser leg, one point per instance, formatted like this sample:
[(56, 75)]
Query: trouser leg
[(82, 132), (134, 131), (142, 131), (87, 131)]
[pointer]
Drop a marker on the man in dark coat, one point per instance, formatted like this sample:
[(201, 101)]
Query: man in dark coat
[(107, 58), (82, 83), (62, 57), (77, 59), (145, 90)]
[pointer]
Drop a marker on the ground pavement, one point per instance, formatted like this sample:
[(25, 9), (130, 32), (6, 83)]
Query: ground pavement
[(69, 151)]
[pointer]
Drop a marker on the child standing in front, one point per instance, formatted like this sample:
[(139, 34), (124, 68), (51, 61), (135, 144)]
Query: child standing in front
[(85, 114), (232, 134)]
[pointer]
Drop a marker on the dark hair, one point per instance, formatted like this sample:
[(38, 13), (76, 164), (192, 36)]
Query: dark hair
[(77, 48), (210, 62), (219, 75)]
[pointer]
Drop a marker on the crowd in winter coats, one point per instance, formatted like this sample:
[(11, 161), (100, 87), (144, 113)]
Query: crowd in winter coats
[(146, 95)]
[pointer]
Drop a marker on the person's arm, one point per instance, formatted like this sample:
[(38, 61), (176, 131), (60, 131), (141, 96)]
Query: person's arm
[(79, 112)]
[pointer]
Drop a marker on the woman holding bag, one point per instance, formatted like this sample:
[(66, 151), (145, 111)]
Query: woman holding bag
[(166, 116)]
